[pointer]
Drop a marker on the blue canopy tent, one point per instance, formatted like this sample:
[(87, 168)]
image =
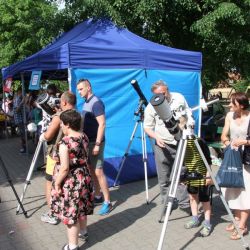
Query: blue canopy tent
[(110, 57)]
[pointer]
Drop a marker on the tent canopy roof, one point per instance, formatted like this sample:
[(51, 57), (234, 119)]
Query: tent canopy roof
[(101, 44)]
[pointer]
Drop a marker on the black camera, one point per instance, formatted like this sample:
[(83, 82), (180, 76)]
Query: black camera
[(190, 176)]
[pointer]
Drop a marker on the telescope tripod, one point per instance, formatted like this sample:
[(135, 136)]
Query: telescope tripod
[(140, 113), (176, 172), (31, 170), (12, 186)]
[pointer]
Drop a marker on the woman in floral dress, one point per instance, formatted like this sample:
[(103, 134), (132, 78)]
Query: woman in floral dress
[(72, 191)]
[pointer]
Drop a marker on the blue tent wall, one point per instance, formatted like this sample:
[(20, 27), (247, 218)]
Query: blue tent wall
[(121, 100)]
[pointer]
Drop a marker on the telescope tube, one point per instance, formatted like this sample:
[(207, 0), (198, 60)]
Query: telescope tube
[(136, 86)]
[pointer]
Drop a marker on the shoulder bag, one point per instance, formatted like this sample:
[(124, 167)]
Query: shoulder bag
[(230, 173)]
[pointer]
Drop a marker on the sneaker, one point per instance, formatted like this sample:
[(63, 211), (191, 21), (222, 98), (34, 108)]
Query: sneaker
[(191, 224), (98, 201), (83, 236), (49, 219), (66, 247), (105, 209), (206, 230)]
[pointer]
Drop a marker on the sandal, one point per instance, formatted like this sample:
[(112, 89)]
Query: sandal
[(236, 236), (230, 227)]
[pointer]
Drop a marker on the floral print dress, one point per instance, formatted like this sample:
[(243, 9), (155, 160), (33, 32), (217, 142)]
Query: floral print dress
[(77, 198)]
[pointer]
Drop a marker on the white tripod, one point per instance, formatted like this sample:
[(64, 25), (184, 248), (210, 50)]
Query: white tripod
[(31, 170)]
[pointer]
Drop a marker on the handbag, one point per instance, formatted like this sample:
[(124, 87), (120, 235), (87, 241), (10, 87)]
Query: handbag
[(230, 173), (246, 151)]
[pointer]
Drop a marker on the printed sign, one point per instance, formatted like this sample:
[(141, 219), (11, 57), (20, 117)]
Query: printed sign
[(35, 80)]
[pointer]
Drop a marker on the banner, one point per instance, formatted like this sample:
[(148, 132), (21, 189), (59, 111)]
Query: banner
[(7, 84), (35, 80)]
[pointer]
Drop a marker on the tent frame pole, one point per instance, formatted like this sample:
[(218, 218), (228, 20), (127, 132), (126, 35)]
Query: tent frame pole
[(24, 113), (4, 107)]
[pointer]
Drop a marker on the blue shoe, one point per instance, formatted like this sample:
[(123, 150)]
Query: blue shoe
[(105, 209)]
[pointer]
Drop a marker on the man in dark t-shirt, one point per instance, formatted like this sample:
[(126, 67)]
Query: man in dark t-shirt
[(94, 127)]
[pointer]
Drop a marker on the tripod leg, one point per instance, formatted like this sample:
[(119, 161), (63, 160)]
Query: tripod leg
[(176, 172), (44, 151), (12, 186), (126, 153), (144, 157), (220, 194), (27, 181)]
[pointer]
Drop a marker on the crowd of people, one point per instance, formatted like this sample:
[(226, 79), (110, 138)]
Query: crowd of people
[(75, 179), (74, 168), (17, 112)]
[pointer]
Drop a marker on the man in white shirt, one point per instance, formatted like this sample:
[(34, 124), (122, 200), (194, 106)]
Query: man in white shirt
[(165, 143)]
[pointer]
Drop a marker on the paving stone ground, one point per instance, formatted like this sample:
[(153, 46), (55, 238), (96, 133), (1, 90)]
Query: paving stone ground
[(132, 224)]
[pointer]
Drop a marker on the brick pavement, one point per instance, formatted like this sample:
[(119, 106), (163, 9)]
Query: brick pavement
[(131, 225)]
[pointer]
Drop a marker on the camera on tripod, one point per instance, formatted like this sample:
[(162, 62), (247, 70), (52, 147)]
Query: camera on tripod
[(190, 176), (48, 103)]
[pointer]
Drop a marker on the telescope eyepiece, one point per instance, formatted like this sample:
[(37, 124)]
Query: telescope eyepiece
[(134, 82)]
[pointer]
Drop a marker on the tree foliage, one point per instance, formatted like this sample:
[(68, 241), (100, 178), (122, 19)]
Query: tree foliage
[(219, 29), (25, 27)]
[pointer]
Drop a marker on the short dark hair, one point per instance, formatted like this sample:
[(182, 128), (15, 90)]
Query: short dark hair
[(84, 80), (72, 118), (241, 98), (69, 97), (52, 89)]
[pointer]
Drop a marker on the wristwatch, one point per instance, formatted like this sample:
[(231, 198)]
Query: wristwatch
[(97, 143)]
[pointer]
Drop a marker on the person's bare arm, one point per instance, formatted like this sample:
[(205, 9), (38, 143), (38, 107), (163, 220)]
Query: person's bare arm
[(151, 133), (225, 132), (64, 169), (52, 129), (100, 132), (149, 125)]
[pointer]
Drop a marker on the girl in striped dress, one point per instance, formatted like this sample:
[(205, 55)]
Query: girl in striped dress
[(198, 189)]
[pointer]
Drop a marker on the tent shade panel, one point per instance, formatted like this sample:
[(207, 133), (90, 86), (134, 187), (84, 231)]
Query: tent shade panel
[(101, 44)]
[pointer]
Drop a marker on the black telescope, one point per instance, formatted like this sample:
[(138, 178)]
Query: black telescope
[(135, 84)]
